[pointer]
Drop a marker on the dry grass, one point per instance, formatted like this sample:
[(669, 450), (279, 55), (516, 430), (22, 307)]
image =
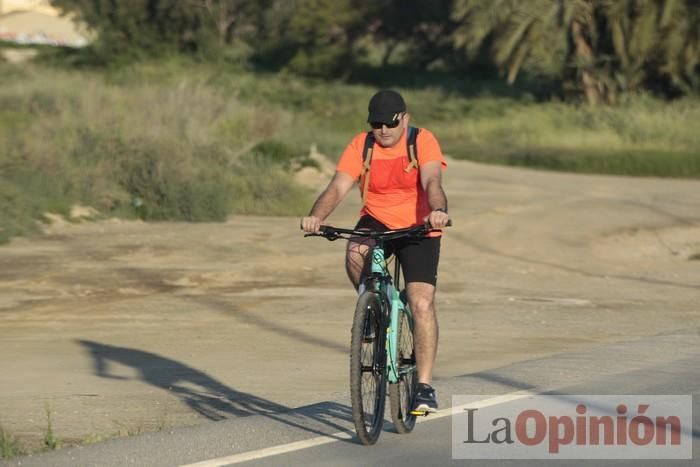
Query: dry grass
[(174, 140), (157, 151)]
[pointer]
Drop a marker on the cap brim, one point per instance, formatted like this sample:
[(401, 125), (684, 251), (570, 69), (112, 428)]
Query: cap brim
[(383, 117)]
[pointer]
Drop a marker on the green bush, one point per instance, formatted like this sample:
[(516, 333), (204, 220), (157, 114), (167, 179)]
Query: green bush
[(275, 152), (127, 147), (268, 190), (179, 140), (163, 185)]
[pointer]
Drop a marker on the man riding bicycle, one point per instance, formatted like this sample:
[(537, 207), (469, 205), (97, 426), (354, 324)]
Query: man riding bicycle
[(399, 189)]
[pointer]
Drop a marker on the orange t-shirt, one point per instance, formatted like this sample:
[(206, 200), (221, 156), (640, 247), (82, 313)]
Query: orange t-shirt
[(394, 197)]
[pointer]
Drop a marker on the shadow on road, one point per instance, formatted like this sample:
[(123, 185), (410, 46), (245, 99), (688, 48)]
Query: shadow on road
[(208, 396)]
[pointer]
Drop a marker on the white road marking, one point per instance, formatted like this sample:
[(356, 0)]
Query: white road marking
[(342, 435)]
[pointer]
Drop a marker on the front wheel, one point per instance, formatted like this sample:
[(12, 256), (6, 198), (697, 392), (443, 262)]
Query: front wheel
[(401, 393), (368, 368)]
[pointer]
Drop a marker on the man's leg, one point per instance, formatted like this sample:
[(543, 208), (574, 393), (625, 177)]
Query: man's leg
[(419, 261), (356, 259), (356, 264), (421, 300)]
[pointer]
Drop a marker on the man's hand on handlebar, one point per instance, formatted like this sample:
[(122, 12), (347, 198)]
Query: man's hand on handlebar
[(310, 224), (437, 219)]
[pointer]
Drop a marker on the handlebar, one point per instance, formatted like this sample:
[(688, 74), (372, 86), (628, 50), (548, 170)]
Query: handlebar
[(334, 233)]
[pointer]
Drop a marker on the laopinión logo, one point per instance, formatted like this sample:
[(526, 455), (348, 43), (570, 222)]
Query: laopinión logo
[(559, 426)]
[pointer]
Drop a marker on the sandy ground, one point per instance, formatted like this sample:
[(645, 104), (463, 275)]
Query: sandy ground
[(118, 327)]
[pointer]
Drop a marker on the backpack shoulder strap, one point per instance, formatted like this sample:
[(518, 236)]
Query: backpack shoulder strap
[(366, 161), (412, 148)]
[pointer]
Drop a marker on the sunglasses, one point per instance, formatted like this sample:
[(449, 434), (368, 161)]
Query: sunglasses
[(379, 125)]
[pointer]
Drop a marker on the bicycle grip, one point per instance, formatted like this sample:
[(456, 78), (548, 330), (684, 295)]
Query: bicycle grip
[(428, 226)]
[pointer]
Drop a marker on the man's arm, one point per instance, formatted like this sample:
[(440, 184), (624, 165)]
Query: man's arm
[(327, 201), (431, 180)]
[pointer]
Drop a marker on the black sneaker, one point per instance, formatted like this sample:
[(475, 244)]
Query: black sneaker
[(424, 401)]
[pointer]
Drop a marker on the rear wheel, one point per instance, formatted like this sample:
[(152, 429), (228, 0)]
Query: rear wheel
[(401, 393), (368, 368)]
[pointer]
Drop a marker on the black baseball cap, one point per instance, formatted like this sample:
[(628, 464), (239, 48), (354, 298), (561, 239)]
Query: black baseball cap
[(385, 106)]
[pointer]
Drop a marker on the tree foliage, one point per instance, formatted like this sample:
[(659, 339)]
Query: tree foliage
[(595, 48), (141, 27), (422, 27), (313, 37), (651, 43), (605, 46)]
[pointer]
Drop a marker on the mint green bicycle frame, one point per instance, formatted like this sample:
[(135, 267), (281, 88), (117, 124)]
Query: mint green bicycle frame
[(385, 285)]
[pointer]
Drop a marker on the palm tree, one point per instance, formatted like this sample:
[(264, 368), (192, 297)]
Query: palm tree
[(610, 45), (656, 43), (531, 34)]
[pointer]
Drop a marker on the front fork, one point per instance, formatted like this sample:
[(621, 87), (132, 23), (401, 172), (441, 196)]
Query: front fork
[(395, 305), (392, 335)]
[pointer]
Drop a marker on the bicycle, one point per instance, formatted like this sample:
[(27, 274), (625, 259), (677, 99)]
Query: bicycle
[(381, 346)]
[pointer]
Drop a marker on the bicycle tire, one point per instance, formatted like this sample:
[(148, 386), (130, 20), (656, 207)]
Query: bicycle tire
[(368, 368), (401, 393)]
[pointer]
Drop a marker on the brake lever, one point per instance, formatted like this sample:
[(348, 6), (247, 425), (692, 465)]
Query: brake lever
[(330, 236), (329, 232)]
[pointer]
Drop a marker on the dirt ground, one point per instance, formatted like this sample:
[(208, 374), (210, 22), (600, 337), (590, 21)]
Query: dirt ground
[(116, 327)]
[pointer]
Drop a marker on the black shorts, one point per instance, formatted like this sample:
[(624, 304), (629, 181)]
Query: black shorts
[(419, 257)]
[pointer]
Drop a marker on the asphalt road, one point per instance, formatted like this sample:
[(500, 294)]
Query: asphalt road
[(321, 434)]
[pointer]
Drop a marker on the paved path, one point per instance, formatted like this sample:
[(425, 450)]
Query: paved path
[(321, 434)]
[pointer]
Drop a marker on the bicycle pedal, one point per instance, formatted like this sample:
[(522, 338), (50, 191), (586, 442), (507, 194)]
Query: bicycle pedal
[(420, 413)]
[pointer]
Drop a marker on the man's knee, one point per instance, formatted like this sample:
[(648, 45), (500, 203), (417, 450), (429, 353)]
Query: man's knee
[(422, 307), (354, 261)]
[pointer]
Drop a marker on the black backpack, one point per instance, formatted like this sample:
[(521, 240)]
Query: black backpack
[(411, 150)]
